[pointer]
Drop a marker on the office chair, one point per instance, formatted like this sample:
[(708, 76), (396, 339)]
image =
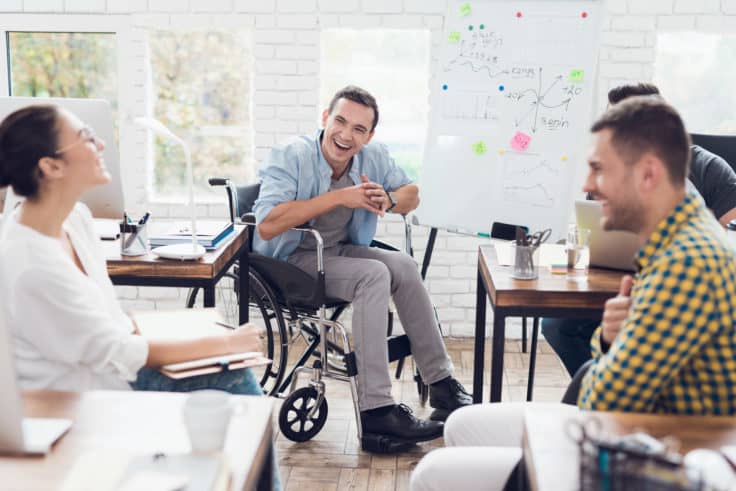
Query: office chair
[(292, 305)]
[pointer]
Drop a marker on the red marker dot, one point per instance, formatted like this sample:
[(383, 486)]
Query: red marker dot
[(584, 15), (518, 14)]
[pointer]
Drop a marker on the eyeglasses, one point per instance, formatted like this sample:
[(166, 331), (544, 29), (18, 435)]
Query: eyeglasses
[(86, 135)]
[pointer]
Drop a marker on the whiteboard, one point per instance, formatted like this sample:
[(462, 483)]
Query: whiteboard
[(511, 106)]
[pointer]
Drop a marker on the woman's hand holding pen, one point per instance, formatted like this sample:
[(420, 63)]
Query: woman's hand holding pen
[(245, 338)]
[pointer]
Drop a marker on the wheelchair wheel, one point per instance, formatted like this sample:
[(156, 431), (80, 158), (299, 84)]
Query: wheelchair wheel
[(294, 421), (262, 312)]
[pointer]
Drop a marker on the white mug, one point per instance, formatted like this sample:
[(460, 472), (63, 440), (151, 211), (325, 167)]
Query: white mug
[(207, 417)]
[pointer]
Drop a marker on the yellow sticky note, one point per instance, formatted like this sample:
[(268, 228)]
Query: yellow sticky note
[(576, 75), (465, 9), (479, 148), (454, 37)]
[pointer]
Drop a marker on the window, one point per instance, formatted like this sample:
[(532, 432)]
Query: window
[(691, 68), (201, 90), (63, 64), (393, 65)]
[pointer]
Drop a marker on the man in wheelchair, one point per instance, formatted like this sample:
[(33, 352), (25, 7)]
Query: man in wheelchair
[(339, 183)]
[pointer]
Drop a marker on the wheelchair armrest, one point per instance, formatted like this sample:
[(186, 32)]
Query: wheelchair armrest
[(379, 244), (218, 181), (248, 219)]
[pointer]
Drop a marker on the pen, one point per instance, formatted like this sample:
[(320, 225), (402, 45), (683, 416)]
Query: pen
[(145, 218), (224, 324)]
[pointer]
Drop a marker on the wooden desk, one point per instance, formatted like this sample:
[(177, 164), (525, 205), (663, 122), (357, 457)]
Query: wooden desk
[(550, 295), (139, 423), (552, 461), (204, 273)]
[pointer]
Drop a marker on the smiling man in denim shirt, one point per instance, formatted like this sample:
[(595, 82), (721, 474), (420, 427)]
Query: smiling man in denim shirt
[(340, 183)]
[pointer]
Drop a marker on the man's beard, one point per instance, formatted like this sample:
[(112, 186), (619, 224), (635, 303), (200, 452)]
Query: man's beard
[(629, 217)]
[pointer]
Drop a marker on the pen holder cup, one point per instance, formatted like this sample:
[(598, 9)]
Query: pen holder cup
[(524, 262), (133, 239)]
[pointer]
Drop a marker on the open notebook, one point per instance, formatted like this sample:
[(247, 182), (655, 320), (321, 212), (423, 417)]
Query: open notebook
[(193, 324)]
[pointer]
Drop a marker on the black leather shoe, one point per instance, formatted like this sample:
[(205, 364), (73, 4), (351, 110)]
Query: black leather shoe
[(400, 424), (446, 396)]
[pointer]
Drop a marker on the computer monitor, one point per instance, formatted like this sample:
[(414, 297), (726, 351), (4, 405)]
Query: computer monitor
[(104, 201)]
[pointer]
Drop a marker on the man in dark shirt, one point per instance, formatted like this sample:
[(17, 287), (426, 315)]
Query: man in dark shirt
[(714, 180)]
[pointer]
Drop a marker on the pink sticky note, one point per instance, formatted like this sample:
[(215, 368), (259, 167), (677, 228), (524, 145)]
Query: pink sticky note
[(520, 141)]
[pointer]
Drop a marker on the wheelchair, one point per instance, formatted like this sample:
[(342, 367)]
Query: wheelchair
[(289, 305)]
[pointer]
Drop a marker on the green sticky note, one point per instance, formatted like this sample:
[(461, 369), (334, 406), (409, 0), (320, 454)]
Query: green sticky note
[(479, 148), (465, 9), (454, 37), (576, 75)]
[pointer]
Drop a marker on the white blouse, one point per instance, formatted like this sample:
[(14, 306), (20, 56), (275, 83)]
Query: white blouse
[(68, 330)]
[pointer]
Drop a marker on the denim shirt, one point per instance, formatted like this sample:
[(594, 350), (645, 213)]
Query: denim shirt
[(297, 170)]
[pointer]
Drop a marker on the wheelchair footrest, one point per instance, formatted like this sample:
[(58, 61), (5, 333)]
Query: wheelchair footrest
[(382, 444)]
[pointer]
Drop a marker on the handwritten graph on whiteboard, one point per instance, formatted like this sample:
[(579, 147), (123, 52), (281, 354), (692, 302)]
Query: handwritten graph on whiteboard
[(514, 79)]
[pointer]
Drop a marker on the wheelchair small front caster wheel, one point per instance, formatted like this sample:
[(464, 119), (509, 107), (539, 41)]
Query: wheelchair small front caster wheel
[(294, 420)]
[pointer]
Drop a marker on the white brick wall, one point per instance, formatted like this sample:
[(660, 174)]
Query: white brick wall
[(286, 91)]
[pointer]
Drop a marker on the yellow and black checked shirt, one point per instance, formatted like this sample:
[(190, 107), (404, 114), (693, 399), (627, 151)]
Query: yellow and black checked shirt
[(676, 351)]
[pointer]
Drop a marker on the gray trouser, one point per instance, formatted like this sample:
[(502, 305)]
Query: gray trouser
[(365, 276)]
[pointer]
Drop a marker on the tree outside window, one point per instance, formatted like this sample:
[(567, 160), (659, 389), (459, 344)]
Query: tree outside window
[(201, 88), (64, 64)]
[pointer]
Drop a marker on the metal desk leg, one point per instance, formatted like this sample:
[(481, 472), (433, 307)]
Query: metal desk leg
[(480, 339), (499, 338), (209, 296)]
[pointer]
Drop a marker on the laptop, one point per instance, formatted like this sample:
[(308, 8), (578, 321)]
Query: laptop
[(105, 202), (19, 435), (614, 249)]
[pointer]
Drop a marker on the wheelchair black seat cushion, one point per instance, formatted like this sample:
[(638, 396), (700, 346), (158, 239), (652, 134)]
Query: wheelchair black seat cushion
[(291, 285)]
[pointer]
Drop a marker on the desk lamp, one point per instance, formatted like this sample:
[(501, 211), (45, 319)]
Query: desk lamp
[(177, 251)]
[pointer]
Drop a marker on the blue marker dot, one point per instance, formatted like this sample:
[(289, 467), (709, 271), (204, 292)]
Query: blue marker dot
[(501, 88), (444, 87), (482, 26), (470, 28)]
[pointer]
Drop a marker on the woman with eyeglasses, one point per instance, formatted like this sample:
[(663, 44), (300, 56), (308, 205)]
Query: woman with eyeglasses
[(69, 331)]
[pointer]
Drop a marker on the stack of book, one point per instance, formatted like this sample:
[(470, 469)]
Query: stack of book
[(210, 234)]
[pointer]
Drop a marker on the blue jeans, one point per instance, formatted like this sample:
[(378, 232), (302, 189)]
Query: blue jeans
[(241, 382), (570, 338)]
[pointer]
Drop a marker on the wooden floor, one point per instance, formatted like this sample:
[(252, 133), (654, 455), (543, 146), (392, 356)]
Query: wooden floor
[(333, 459)]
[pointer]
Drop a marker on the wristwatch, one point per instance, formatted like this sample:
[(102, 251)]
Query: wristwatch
[(393, 199)]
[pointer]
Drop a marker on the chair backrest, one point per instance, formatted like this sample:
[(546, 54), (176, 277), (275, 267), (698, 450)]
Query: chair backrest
[(246, 197), (505, 231), (722, 145)]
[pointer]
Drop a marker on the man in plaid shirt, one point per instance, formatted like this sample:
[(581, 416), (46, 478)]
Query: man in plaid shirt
[(667, 342)]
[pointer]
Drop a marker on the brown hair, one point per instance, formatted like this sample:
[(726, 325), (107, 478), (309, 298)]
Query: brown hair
[(26, 136), (618, 94), (356, 94), (648, 124)]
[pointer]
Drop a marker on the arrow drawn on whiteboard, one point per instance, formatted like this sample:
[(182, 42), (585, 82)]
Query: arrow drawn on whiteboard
[(538, 101), (526, 115), (565, 103)]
